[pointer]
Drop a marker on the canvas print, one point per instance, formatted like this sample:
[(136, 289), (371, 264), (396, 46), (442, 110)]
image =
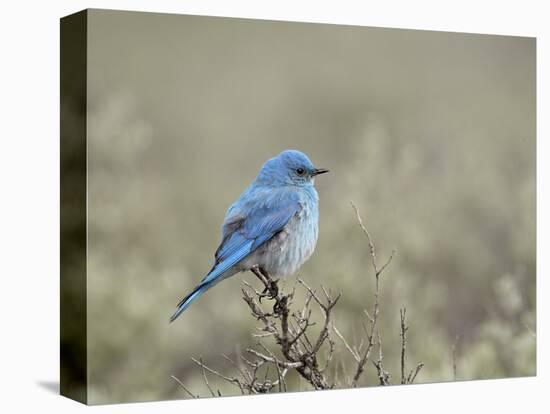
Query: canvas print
[(253, 206)]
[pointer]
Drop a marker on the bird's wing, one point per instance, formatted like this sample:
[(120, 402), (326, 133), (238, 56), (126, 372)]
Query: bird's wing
[(248, 225), (246, 231)]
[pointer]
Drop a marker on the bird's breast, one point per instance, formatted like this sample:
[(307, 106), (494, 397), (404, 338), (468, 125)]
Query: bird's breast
[(287, 251)]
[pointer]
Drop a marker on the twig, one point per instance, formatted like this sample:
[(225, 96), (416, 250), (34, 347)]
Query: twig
[(235, 364), (282, 364), (234, 381), (403, 335), (206, 379), (183, 386), (413, 374), (372, 317), (383, 375), (409, 379), (377, 270), (280, 374), (348, 347)]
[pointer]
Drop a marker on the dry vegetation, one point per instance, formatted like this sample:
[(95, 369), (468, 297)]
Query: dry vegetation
[(296, 346)]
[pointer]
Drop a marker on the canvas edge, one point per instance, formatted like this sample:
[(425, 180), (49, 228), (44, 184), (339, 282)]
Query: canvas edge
[(73, 207)]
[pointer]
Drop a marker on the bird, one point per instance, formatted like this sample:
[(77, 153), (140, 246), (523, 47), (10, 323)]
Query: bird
[(271, 229)]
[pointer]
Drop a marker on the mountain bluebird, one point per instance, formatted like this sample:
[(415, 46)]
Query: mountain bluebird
[(271, 228)]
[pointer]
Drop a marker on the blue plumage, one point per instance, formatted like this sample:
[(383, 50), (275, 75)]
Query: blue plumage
[(273, 225)]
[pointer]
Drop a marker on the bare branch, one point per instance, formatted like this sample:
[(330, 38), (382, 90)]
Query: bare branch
[(206, 379), (403, 335), (373, 316), (414, 372), (234, 381), (369, 238), (412, 376), (183, 386), (383, 375), (393, 253), (377, 270), (236, 365), (351, 351), (280, 374), (301, 345), (282, 364)]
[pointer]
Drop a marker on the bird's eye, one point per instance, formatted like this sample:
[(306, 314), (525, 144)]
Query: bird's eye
[(300, 171)]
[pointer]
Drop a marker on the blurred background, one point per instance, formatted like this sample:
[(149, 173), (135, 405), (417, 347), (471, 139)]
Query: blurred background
[(430, 134)]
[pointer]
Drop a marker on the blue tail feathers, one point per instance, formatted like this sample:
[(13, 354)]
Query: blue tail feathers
[(219, 272), (186, 301)]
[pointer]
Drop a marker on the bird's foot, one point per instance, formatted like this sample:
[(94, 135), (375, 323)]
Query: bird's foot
[(271, 290), (271, 286), (265, 293)]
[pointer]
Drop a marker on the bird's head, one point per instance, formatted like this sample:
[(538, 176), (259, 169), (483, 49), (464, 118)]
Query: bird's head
[(290, 167)]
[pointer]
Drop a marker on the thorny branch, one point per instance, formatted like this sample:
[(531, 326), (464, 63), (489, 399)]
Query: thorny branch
[(301, 349)]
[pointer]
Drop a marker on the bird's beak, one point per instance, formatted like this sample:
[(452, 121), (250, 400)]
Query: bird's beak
[(318, 171)]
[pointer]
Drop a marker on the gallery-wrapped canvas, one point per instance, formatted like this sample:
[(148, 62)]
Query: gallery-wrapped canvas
[(253, 206)]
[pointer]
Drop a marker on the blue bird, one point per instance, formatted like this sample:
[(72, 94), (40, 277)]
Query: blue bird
[(271, 228)]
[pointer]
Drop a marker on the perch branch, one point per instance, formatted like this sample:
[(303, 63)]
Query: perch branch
[(300, 346)]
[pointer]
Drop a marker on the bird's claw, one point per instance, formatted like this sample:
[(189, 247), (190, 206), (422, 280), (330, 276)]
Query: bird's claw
[(264, 293), (271, 291)]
